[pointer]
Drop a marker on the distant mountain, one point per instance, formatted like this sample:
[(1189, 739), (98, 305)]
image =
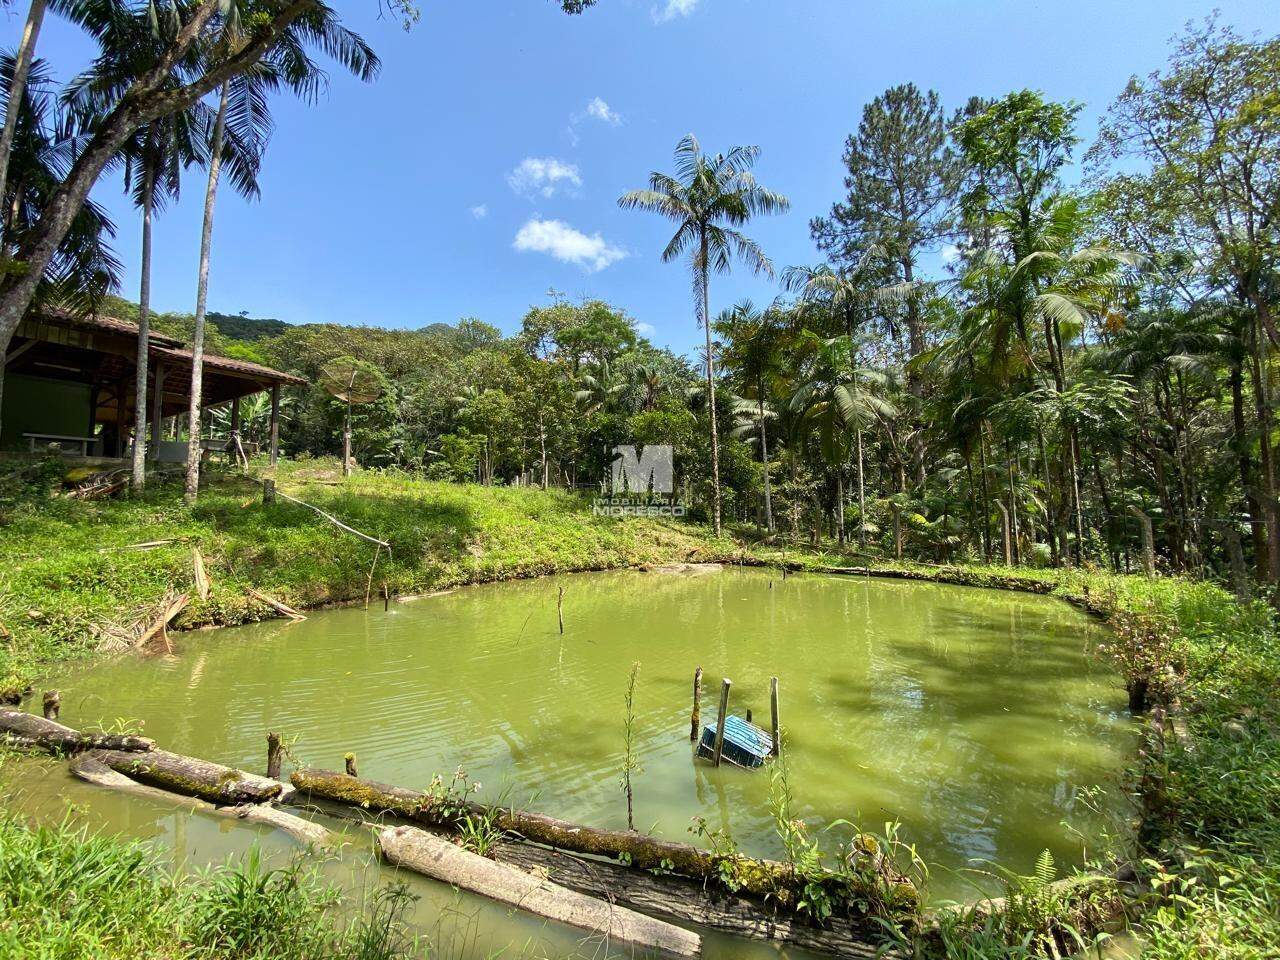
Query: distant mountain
[(238, 327)]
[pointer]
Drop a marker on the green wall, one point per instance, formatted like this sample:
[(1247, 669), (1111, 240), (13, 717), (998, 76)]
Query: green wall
[(37, 405)]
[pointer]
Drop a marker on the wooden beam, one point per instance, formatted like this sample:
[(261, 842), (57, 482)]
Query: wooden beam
[(122, 392), (19, 351), (157, 408), (275, 423)]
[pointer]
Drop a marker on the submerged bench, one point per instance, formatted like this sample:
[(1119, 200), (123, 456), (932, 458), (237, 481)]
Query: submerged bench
[(745, 744)]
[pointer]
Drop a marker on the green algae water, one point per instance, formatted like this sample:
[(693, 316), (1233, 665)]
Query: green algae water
[(974, 718)]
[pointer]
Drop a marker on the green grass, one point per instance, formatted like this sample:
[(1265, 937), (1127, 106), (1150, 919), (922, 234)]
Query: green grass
[(69, 582), (65, 895)]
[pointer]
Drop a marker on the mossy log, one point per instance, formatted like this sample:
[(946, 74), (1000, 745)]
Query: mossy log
[(687, 900), (760, 878), (441, 860), (90, 768), (192, 777), (30, 730)]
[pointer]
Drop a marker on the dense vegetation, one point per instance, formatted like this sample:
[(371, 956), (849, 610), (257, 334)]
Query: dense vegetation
[(1092, 351)]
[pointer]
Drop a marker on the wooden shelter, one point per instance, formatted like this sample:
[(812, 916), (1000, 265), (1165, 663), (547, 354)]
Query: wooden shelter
[(70, 385)]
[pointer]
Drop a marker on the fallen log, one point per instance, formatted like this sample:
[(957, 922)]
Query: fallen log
[(441, 860), (693, 901), (90, 768), (30, 730), (193, 777), (760, 878)]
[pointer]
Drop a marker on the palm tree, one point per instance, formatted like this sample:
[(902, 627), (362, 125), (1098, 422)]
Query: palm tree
[(154, 159), (243, 101), (707, 199), (840, 397), (754, 342)]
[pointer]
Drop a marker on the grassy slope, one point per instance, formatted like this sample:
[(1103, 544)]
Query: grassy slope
[(67, 577), (1211, 886)]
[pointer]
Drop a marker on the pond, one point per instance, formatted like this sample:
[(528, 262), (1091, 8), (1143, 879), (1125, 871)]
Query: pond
[(974, 718)]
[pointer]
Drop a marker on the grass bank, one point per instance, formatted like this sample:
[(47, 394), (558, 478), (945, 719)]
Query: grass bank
[(75, 580), (70, 896)]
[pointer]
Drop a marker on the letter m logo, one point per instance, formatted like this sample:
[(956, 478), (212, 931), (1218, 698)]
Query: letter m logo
[(634, 472)]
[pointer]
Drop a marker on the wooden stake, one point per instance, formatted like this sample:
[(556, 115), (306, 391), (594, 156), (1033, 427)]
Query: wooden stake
[(774, 726), (273, 756), (725, 684), (268, 492), (386, 598), (350, 760), (748, 714), (52, 704), (695, 720), (560, 609)]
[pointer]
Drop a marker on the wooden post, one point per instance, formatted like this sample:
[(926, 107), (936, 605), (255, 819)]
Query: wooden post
[(268, 492), (157, 410), (774, 725), (122, 393), (235, 417), (386, 598), (275, 423), (897, 531), (695, 720), (748, 714), (560, 609), (350, 761), (273, 756), (52, 704), (1148, 542), (725, 684), (1008, 536)]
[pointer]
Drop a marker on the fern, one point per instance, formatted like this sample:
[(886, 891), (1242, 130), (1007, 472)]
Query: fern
[(1046, 870)]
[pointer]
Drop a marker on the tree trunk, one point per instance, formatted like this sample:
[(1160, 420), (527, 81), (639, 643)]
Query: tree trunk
[(435, 857), (144, 331), (704, 281), (147, 100), (862, 489), (191, 776), (30, 730), (202, 298), (17, 92), (764, 453)]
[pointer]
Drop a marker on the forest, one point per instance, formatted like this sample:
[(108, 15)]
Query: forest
[(1099, 346)]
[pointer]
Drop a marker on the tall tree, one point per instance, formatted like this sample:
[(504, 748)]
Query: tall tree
[(901, 180), (707, 199)]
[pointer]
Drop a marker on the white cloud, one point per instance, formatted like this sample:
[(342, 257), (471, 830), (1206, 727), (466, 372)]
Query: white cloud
[(646, 329), (950, 253), (543, 176), (592, 253), (672, 9), (480, 211), (597, 109)]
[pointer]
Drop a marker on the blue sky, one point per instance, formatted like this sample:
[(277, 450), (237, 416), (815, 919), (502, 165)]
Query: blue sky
[(482, 169)]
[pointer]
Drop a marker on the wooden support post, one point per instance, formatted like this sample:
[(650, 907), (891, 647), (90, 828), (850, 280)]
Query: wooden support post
[(774, 724), (897, 531), (695, 720), (725, 684), (273, 756), (560, 609), (268, 492), (235, 416), (157, 410), (1148, 542), (122, 393), (52, 704), (1008, 534), (275, 423), (748, 714), (386, 598), (350, 761)]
